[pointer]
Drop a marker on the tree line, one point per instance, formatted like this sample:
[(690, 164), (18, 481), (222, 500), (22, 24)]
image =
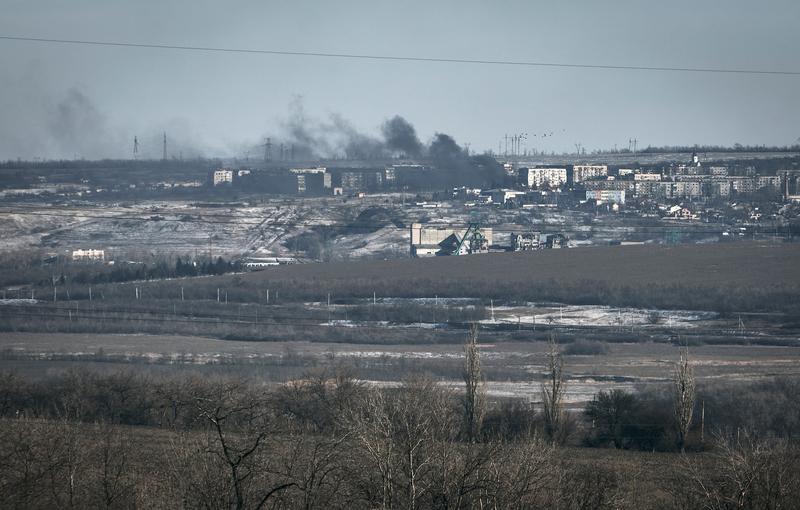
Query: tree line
[(327, 440)]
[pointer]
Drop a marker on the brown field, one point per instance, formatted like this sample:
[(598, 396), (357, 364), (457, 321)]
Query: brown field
[(725, 277), (748, 264), (513, 369)]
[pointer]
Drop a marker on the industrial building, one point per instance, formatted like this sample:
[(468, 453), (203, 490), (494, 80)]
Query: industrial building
[(530, 241), (437, 240)]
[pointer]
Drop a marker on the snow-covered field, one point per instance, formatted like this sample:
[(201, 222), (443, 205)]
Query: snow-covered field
[(588, 315), (261, 228)]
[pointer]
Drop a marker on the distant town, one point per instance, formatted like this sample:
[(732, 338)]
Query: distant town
[(281, 212)]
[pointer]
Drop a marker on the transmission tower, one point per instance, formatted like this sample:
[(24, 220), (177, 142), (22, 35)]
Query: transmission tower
[(267, 150)]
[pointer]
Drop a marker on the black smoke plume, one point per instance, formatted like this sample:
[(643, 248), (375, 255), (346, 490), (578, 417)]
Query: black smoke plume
[(401, 136)]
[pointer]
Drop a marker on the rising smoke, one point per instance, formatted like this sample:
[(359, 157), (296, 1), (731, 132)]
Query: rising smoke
[(401, 136), (41, 124), (69, 124), (304, 137), (336, 138)]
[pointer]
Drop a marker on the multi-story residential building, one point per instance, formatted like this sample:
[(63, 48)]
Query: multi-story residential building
[(742, 185), (649, 189), (581, 173), (770, 182), (222, 176), (719, 187), (612, 184), (606, 196), (687, 189), (646, 177), (539, 176), (88, 255)]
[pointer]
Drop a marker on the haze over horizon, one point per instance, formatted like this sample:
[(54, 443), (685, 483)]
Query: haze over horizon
[(64, 101)]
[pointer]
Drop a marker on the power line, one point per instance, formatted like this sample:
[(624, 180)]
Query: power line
[(401, 58)]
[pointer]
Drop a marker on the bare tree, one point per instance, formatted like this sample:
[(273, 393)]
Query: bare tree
[(372, 425), (115, 473), (399, 434), (741, 472), (228, 464), (553, 394), (316, 467), (475, 397), (683, 397)]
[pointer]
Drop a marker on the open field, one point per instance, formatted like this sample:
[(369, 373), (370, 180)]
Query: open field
[(754, 265), (513, 368), (736, 277)]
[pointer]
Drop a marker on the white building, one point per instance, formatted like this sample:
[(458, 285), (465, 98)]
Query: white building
[(537, 177), (606, 196), (646, 177), (501, 196), (222, 176), (88, 255), (317, 170)]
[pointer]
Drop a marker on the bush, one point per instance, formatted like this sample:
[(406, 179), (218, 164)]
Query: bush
[(584, 348)]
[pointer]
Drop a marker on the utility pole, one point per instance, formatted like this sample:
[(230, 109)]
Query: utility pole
[(703, 421)]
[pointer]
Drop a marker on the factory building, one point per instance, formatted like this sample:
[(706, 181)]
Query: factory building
[(437, 240)]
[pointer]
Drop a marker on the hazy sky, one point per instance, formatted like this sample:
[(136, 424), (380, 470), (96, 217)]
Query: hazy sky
[(66, 100)]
